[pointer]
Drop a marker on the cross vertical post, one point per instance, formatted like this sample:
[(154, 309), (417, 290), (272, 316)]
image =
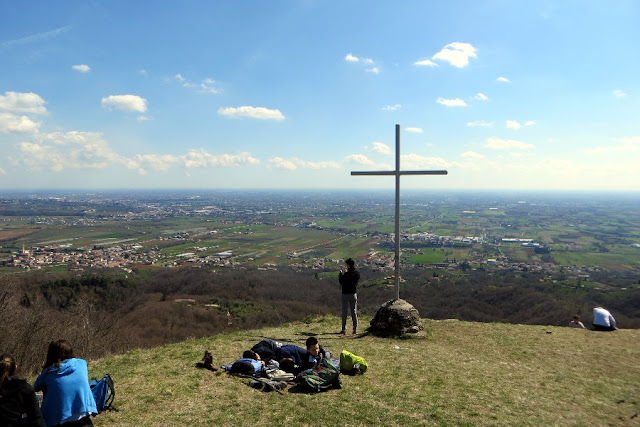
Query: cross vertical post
[(397, 173)]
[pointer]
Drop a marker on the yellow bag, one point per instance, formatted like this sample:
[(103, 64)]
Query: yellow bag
[(348, 361)]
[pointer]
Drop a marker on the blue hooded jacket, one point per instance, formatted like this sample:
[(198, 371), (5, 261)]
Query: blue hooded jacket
[(67, 394)]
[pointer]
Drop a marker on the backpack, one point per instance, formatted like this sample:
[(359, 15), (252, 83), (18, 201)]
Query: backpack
[(103, 392), (323, 377), (351, 364)]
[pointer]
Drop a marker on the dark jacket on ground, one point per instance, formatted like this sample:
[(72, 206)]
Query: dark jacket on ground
[(349, 281), (18, 405), (269, 349)]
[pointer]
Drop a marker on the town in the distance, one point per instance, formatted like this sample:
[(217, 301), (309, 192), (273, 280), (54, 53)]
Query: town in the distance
[(564, 236)]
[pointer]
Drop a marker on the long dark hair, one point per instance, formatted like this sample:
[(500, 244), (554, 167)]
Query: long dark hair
[(7, 368), (58, 351)]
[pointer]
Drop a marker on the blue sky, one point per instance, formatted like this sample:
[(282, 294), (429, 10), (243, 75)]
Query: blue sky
[(296, 94)]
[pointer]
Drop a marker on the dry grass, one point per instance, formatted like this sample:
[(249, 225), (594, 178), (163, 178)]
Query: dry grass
[(462, 374), (6, 235)]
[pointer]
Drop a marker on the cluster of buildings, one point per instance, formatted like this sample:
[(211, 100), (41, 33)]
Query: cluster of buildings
[(81, 258)]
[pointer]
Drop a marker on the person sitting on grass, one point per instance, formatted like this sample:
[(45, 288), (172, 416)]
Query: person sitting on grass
[(603, 320), (576, 323), (18, 402), (65, 382)]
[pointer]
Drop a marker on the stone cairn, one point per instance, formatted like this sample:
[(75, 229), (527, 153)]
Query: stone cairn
[(395, 318)]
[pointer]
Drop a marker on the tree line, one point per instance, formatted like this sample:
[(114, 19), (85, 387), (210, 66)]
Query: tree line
[(110, 312)]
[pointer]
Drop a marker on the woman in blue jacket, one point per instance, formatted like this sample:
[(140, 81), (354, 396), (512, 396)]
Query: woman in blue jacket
[(67, 400)]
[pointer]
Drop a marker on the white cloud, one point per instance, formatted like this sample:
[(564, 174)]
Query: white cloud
[(472, 155), (613, 149), (2, 172), (83, 68), (202, 158), (366, 61), (479, 123), (12, 123), (451, 102), (207, 85), (503, 79), (143, 73), (144, 118), (627, 145), (513, 124), (618, 93), (280, 163), (295, 163), (158, 162), (362, 160), (60, 151), (392, 107), (125, 103), (22, 102), (418, 162), (481, 97), (382, 148), (506, 144), (629, 139), (414, 130), (251, 112), (456, 54), (37, 37), (350, 58), (67, 150), (425, 63)]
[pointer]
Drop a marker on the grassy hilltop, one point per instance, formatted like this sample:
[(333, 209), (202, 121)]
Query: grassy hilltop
[(462, 373)]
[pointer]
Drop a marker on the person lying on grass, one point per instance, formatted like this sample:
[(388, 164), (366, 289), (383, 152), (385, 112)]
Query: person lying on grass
[(295, 358)]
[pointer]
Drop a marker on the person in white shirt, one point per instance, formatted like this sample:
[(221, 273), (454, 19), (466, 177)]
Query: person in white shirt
[(576, 323), (603, 320)]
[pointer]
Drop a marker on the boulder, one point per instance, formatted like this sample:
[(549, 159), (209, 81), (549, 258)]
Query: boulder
[(394, 318)]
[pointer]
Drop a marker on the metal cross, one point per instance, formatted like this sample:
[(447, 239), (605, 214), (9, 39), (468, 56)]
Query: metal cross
[(397, 174)]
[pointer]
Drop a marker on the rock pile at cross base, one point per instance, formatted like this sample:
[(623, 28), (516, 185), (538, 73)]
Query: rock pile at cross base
[(395, 318)]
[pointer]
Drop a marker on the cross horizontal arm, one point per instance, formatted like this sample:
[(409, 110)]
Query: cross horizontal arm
[(399, 173)]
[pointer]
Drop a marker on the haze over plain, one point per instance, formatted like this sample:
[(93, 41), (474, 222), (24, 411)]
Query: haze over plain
[(296, 94)]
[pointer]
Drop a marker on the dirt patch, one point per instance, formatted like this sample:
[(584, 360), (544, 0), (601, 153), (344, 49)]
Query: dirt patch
[(15, 234)]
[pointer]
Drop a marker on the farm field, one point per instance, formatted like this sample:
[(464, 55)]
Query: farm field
[(287, 230)]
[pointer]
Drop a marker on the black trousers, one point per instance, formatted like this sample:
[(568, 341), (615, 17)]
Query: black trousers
[(603, 328), (82, 422)]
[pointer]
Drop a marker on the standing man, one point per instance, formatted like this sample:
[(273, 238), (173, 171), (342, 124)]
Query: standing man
[(348, 279)]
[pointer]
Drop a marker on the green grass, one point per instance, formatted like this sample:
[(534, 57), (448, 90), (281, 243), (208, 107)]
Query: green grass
[(462, 374)]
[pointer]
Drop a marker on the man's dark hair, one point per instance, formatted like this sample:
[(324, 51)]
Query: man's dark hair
[(249, 354), (311, 341), (349, 262), (288, 365)]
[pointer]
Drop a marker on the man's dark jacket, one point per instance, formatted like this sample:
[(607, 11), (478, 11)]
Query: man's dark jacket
[(349, 281)]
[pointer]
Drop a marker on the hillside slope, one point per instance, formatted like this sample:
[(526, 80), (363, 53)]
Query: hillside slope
[(462, 374)]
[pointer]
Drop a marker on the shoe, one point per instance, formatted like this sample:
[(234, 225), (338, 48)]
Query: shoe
[(342, 332), (355, 331)]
